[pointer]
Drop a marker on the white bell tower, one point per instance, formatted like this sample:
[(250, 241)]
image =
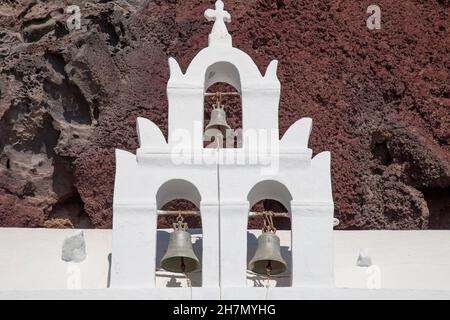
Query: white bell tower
[(223, 183)]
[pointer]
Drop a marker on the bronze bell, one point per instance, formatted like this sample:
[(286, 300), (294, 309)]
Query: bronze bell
[(217, 126), (179, 256), (267, 259)]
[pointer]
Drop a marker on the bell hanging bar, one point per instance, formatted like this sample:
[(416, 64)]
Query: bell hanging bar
[(194, 213), (215, 94)]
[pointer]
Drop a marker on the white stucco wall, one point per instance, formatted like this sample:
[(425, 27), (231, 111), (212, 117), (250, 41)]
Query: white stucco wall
[(30, 259)]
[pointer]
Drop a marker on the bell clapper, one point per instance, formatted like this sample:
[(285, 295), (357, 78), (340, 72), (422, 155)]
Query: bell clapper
[(269, 268), (269, 271), (183, 270), (183, 265)]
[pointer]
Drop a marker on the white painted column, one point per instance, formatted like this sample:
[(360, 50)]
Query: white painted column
[(134, 246), (233, 244), (259, 113), (210, 259), (185, 114), (312, 245)]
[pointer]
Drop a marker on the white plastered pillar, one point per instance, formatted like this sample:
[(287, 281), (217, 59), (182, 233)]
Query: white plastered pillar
[(210, 259), (233, 244), (312, 245), (134, 246), (185, 115)]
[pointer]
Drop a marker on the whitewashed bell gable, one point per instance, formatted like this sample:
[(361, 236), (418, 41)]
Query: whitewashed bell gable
[(223, 188)]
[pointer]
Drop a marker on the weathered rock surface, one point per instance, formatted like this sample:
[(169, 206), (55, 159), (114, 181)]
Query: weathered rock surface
[(379, 99)]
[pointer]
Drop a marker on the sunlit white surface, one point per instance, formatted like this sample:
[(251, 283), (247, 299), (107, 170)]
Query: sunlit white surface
[(30, 259)]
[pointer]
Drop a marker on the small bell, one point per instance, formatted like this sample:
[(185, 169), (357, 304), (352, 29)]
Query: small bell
[(217, 126), (179, 256), (267, 259)]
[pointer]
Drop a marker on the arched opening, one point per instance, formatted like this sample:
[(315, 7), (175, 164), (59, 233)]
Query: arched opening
[(269, 203), (222, 106), (178, 248)]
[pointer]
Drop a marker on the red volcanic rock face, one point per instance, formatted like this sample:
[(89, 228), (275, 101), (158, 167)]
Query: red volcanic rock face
[(379, 99)]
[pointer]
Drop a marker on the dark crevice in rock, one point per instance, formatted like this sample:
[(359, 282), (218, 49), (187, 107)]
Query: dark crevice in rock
[(36, 32), (110, 23), (57, 62), (381, 152), (72, 209), (61, 29), (108, 28), (95, 109), (445, 3), (380, 148), (67, 94), (5, 127), (438, 202), (28, 190), (69, 203), (96, 113), (63, 178), (47, 138), (395, 93)]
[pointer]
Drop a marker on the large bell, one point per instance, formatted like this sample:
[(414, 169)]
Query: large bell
[(217, 126), (267, 259), (179, 256)]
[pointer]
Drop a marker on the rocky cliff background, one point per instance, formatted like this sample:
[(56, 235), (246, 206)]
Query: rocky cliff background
[(379, 99)]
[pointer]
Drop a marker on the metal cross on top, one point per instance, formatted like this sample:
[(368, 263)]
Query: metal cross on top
[(219, 31)]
